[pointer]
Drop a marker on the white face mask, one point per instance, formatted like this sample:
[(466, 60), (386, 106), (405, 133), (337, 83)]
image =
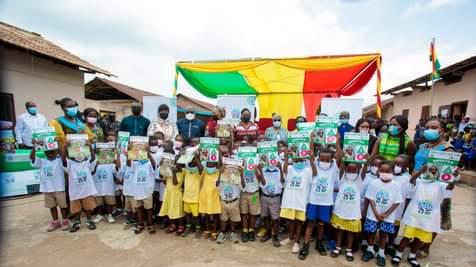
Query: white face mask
[(397, 169), (364, 131), (160, 142), (324, 165), (386, 176), (153, 149), (92, 120), (374, 170), (190, 116), (277, 124), (178, 144), (351, 176)]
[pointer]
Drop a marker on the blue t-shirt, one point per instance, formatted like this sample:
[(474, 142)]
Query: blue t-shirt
[(421, 156)]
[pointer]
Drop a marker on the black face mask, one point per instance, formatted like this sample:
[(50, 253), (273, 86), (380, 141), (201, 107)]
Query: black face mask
[(164, 115), (245, 119), (136, 110)]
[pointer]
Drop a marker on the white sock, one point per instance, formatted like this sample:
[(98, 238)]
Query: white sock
[(398, 254), (381, 252), (364, 243), (411, 255), (371, 249)]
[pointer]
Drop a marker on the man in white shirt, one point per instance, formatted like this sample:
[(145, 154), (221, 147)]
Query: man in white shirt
[(163, 124), (26, 123)]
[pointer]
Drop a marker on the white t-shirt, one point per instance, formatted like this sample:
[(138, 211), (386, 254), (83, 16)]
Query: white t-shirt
[(406, 187), (251, 183), (51, 174), (81, 183), (322, 190), (127, 186), (273, 184), (104, 179), (158, 157), (384, 195), (229, 191), (347, 204), (424, 209), (369, 177), (143, 180), (296, 189)]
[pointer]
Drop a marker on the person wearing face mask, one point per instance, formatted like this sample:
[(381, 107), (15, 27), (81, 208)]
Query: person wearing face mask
[(363, 126), (384, 196), (69, 123), (163, 124), (135, 124), (422, 218), (276, 132), (110, 123), (344, 125), (395, 141), (191, 127), (26, 123), (219, 113), (95, 133), (246, 127)]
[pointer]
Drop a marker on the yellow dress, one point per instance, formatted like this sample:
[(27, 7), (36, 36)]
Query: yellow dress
[(209, 202), (173, 204)]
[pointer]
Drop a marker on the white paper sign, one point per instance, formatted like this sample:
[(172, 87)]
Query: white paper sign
[(334, 106), (234, 104)]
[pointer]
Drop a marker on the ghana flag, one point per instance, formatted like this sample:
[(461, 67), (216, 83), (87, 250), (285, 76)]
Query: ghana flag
[(435, 63), (282, 85)]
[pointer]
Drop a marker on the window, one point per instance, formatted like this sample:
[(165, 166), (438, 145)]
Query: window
[(405, 113), (7, 107), (425, 112)]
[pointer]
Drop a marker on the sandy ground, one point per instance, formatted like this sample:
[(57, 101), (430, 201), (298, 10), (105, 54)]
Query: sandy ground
[(26, 243)]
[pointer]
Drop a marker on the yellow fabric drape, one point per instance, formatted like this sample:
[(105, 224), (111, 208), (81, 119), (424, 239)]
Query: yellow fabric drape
[(287, 105)]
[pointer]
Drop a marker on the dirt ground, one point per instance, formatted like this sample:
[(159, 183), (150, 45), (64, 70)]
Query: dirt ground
[(25, 242)]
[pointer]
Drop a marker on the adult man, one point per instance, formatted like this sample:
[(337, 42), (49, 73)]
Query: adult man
[(276, 132), (344, 125), (26, 123), (109, 123), (163, 124), (463, 124), (136, 124), (190, 127)]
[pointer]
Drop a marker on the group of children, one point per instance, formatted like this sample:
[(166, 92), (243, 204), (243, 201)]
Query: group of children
[(347, 201)]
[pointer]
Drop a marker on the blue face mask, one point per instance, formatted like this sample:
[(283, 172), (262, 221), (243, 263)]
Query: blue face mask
[(32, 110), (211, 170), (393, 130), (71, 111), (431, 134), (343, 121), (192, 169), (299, 165)]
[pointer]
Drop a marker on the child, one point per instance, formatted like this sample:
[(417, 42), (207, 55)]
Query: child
[(52, 184), (156, 151), (384, 196), (230, 183), (81, 187), (347, 214), (422, 217), (320, 200), (126, 177), (143, 182), (209, 201), (271, 184), (172, 205), (295, 196), (191, 194)]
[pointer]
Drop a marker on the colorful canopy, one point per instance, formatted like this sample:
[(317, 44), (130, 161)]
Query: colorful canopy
[(283, 85)]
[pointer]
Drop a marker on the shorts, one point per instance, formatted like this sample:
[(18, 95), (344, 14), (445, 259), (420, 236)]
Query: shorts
[(319, 212), (354, 226), (190, 208), (411, 232), (55, 199), (250, 204), (270, 207), (230, 211), (371, 226), (129, 204), (292, 214), (109, 200), (87, 204), (147, 203)]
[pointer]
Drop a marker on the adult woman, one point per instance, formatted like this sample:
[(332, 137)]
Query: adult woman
[(276, 132), (363, 126), (94, 131), (69, 123), (395, 141), (211, 128), (246, 129)]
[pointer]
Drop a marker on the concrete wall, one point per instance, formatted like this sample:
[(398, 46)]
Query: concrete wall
[(31, 78), (465, 90), (121, 107)]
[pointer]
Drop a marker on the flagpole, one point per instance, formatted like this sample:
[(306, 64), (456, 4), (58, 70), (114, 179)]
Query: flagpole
[(431, 77)]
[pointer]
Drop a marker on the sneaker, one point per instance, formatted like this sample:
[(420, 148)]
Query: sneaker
[(321, 248), (234, 238), (265, 238), (252, 235), (285, 242), (75, 227), (110, 218), (221, 238), (138, 229), (65, 225), (367, 256), (304, 251), (91, 225), (117, 213), (151, 229), (380, 260), (244, 237), (262, 232), (98, 218), (53, 226), (295, 248), (276, 242), (390, 250)]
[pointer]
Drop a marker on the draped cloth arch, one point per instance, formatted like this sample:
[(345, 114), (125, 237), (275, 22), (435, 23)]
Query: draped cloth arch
[(284, 85)]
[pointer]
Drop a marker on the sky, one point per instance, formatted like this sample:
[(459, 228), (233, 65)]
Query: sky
[(140, 41)]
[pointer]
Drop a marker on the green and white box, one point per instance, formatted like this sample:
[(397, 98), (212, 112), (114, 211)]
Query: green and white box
[(299, 143), (447, 163), (209, 149), (45, 138), (326, 131), (355, 147), (249, 156), (268, 153)]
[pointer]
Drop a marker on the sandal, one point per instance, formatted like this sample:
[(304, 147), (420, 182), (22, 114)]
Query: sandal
[(138, 229), (180, 230), (396, 260), (151, 229), (422, 254), (172, 228), (206, 234), (213, 236), (413, 262), (336, 252), (348, 254)]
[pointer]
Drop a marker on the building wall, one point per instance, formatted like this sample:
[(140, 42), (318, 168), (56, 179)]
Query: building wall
[(465, 90), (31, 78), (121, 107)]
